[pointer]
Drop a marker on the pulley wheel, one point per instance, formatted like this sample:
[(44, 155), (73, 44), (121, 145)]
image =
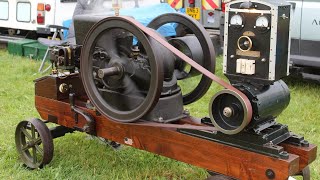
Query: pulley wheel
[(34, 143), (305, 173), (120, 70), (228, 112), (194, 87)]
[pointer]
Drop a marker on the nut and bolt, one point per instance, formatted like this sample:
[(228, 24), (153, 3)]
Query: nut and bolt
[(160, 119), (63, 88), (186, 112), (228, 112), (270, 174)]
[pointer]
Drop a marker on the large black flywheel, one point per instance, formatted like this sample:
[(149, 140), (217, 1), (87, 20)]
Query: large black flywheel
[(121, 69), (194, 41)]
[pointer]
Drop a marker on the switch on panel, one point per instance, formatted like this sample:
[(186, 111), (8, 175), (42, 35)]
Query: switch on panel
[(246, 66)]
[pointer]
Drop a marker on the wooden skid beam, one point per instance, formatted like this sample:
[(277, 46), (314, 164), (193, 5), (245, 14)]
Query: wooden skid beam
[(227, 160), (307, 154)]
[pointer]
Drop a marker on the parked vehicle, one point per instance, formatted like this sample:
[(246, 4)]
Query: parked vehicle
[(20, 17), (207, 12), (305, 42)]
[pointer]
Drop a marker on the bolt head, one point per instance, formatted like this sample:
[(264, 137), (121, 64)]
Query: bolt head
[(270, 174), (228, 112)]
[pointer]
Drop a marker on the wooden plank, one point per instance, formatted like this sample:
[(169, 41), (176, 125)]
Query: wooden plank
[(210, 155), (48, 86), (307, 154)]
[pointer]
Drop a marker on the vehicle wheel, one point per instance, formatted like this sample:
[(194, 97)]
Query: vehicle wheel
[(34, 143), (305, 173)]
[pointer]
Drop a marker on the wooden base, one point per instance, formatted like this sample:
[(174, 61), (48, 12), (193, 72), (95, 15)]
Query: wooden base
[(227, 160)]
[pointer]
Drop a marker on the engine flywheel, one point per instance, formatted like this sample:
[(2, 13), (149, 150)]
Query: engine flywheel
[(121, 69), (194, 38)]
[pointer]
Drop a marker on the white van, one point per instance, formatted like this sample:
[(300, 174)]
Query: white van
[(22, 16), (305, 32), (17, 16)]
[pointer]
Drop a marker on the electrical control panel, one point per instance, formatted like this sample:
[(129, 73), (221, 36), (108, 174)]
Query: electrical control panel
[(257, 41)]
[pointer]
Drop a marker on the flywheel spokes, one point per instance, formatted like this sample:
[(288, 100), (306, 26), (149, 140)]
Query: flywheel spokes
[(34, 143), (120, 69)]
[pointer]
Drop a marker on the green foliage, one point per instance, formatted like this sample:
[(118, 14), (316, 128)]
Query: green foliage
[(77, 156)]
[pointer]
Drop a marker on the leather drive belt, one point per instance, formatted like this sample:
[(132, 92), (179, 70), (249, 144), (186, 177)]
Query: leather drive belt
[(151, 33), (200, 127)]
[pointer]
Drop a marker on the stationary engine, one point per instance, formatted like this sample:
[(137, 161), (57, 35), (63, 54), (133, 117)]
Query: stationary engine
[(130, 76), (126, 83)]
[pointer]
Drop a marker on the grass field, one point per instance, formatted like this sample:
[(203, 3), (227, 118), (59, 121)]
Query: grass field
[(78, 157)]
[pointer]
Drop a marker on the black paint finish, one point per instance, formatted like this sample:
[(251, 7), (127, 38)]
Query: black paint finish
[(261, 50)]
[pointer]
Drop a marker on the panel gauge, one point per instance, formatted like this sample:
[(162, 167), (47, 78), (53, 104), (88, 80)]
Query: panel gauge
[(262, 24), (262, 21), (236, 20)]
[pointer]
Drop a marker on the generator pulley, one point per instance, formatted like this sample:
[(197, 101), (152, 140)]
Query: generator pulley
[(228, 112)]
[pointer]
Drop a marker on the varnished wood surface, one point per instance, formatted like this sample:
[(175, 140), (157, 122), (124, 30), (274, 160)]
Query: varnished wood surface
[(307, 154), (210, 155), (48, 86)]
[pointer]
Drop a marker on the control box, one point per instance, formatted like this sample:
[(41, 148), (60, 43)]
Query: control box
[(257, 41)]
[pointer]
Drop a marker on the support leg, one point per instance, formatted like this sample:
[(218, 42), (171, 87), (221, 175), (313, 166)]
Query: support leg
[(43, 61)]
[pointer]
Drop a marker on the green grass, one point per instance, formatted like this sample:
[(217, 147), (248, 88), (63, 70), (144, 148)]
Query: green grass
[(78, 157)]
